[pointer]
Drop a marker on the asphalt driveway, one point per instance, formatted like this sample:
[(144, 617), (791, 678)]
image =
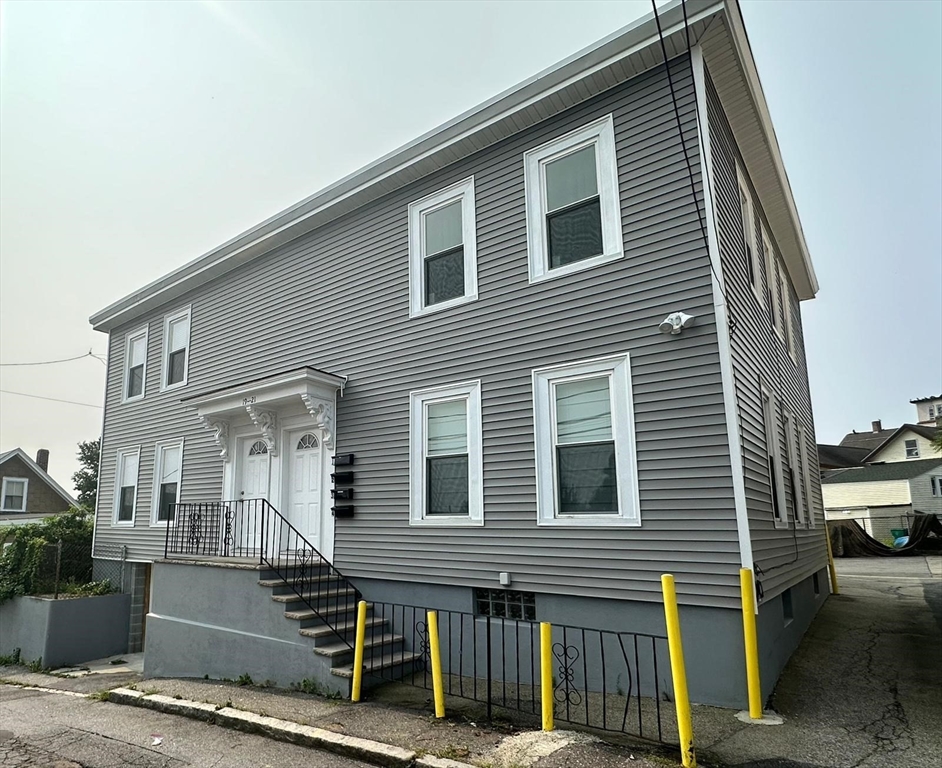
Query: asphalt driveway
[(864, 690)]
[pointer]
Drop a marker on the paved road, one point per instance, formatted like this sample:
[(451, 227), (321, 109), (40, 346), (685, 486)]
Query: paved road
[(864, 689), (53, 730)]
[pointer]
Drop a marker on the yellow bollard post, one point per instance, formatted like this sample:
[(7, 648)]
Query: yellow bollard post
[(435, 651), (835, 590), (750, 636), (688, 756), (358, 651), (546, 674)]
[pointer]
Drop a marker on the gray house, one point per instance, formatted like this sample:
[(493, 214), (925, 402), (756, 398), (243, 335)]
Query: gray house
[(467, 376)]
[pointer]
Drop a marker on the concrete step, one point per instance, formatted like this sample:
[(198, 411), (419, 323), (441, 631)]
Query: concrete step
[(343, 628), (388, 661), (306, 614), (337, 649), (323, 597), (280, 584)]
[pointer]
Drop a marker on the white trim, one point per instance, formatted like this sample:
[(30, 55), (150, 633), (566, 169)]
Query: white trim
[(794, 467), (461, 191), (43, 474), (470, 391), (129, 337), (618, 369), (806, 472), (119, 481), (770, 423), (722, 323), (3, 493), (749, 230), (600, 134), (159, 448), (165, 348)]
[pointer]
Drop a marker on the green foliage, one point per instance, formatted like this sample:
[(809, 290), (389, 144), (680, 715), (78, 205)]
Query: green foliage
[(937, 441), (27, 566), (36, 665), (244, 679), (10, 660), (86, 479), (313, 687)]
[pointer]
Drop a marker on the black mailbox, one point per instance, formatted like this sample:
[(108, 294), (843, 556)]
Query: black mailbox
[(343, 460), (345, 511), (341, 493), (341, 478)]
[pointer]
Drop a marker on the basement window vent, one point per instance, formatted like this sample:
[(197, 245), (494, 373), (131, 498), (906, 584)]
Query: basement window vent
[(815, 579), (505, 604), (787, 608)]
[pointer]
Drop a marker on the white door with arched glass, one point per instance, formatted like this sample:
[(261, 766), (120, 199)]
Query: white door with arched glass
[(253, 481), (305, 484)]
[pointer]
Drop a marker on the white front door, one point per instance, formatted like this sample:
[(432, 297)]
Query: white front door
[(254, 480), (252, 483), (304, 505)]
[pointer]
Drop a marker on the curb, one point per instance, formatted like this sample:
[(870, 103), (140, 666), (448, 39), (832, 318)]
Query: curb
[(374, 752)]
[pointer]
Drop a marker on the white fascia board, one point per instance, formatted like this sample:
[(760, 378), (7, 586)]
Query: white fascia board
[(296, 220), (277, 388)]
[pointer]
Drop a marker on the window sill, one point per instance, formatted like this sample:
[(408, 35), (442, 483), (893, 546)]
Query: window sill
[(134, 399), (576, 266), (446, 522), (161, 524), (587, 521), (122, 523), (443, 306), (169, 387), (13, 511)]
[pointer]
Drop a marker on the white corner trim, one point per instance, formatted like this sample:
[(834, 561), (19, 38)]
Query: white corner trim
[(618, 369), (130, 336), (722, 322), (3, 493), (461, 191), (185, 312), (471, 392), (601, 134), (159, 447)]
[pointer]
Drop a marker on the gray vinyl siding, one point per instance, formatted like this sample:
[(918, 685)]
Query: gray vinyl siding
[(759, 354), (338, 299)]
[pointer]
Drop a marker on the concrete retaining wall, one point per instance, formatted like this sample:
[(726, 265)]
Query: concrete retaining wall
[(65, 632)]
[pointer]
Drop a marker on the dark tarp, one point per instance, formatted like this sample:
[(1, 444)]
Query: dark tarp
[(848, 539)]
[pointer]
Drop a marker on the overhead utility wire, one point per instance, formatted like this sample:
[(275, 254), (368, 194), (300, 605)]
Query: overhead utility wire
[(53, 399), (99, 358)]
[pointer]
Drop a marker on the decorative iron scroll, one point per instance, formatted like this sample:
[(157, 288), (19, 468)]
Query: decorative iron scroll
[(195, 532), (564, 691), (423, 648)]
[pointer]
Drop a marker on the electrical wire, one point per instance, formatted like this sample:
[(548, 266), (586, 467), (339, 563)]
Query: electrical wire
[(99, 358), (53, 399)]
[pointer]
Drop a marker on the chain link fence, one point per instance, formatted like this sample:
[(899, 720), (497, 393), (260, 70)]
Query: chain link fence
[(110, 564), (67, 569)]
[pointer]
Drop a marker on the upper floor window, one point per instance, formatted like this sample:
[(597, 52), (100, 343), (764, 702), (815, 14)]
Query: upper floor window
[(13, 494), (795, 469), (771, 280), (125, 492), (912, 449), (442, 249), (931, 413), (806, 470), (936, 483), (748, 230), (446, 458), (774, 460), (168, 466), (573, 210), (176, 347), (135, 363), (585, 452)]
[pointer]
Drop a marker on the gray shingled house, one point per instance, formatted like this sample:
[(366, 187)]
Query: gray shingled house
[(454, 374)]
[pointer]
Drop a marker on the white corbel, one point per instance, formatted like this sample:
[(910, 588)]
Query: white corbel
[(266, 422), (220, 428), (322, 411)]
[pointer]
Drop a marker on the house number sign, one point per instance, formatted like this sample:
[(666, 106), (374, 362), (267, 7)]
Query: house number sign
[(248, 400)]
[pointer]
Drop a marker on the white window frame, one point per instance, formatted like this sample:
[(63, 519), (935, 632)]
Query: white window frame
[(618, 369), (915, 448), (772, 280), (119, 481), (749, 233), (935, 482), (3, 493), (159, 452), (770, 420), (806, 472), (601, 134), (186, 312), (462, 191), (796, 469), (419, 400), (129, 337)]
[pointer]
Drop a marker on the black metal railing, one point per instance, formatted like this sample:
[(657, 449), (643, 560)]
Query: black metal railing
[(253, 529), (602, 679)]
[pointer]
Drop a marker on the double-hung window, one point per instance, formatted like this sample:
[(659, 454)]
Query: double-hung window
[(446, 472), (936, 483), (135, 364), (806, 473), (774, 460), (13, 494), (795, 469), (125, 492), (442, 250), (585, 447), (168, 465), (176, 349), (573, 210), (771, 279), (912, 449), (748, 231)]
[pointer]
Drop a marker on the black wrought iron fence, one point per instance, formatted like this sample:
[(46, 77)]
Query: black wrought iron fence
[(602, 679)]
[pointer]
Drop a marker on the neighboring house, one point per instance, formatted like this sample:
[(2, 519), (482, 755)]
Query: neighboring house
[(909, 442), (869, 441), (840, 457), (469, 328), (27, 492), (928, 410), (879, 491)]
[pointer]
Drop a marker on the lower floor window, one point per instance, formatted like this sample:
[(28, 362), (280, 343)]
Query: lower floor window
[(168, 465), (505, 604), (126, 484)]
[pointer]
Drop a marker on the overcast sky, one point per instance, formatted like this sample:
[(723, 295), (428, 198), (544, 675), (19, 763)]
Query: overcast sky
[(135, 136)]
